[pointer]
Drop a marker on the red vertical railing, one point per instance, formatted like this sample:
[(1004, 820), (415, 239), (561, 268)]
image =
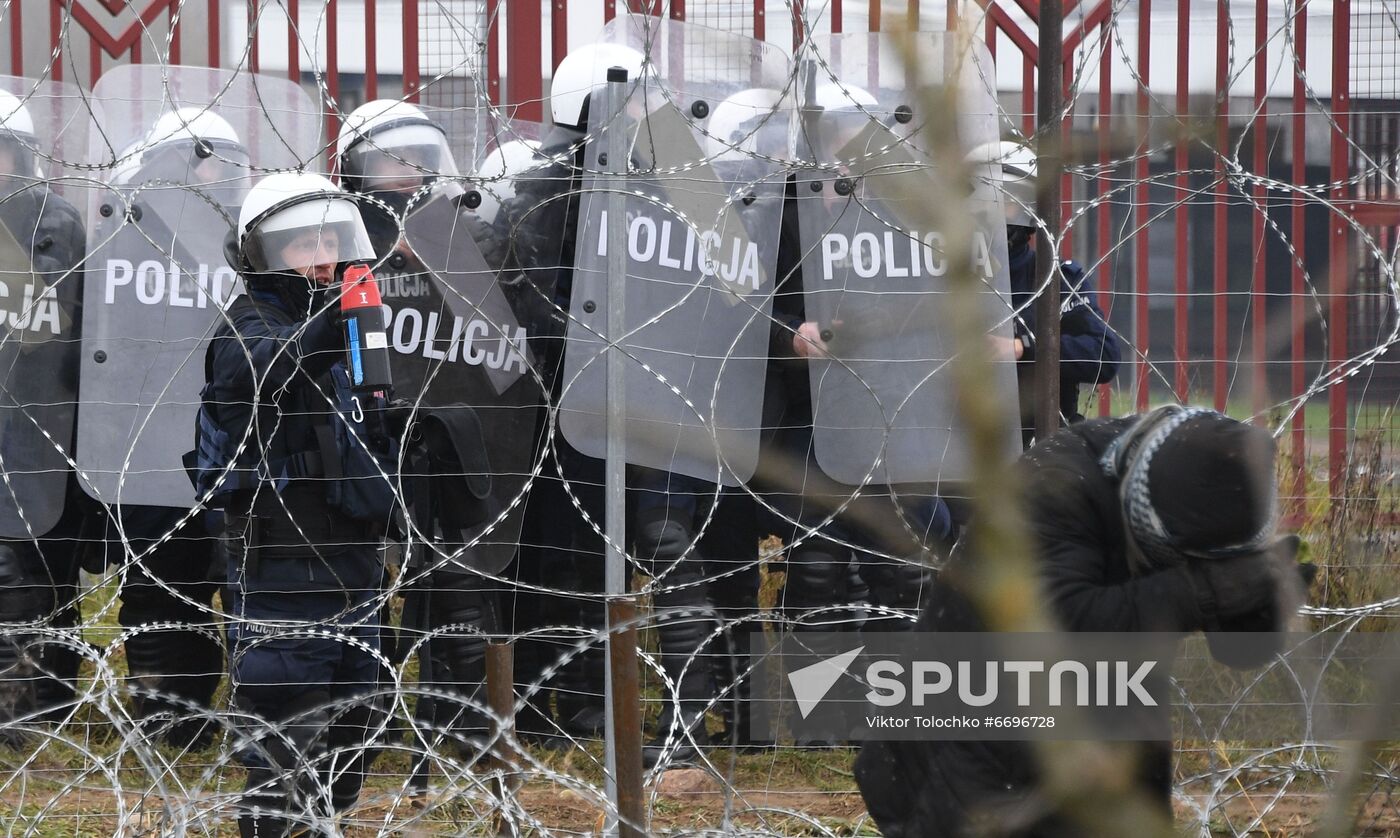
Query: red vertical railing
[(293, 40), (1221, 197), (1105, 128), (1141, 202), (524, 92), (1259, 329), (16, 39), (175, 27), (254, 18), (411, 78), (1181, 217), (493, 52), (1297, 235), (332, 69), (371, 51), (215, 43), (1338, 245), (558, 31), (56, 38)]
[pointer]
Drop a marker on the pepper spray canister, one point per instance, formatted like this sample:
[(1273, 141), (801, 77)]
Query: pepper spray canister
[(366, 342)]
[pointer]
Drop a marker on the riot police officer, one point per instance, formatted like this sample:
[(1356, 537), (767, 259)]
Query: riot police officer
[(299, 462), (539, 222), (899, 525), (44, 520), (174, 650), (1089, 350), (394, 153)]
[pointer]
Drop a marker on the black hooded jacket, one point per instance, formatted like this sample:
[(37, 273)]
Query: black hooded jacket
[(1092, 583)]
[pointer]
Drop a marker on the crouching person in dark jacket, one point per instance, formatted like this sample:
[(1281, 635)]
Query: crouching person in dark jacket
[(300, 463), (1163, 522)]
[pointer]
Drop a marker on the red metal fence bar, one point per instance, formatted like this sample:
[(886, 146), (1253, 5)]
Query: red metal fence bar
[(493, 52), (1259, 328), (524, 92), (558, 31), (215, 25), (332, 72), (55, 38), (371, 51), (1221, 197), (1105, 130), (411, 77), (1141, 202), (175, 26), (1181, 216), (1339, 263), (294, 39), (17, 39)]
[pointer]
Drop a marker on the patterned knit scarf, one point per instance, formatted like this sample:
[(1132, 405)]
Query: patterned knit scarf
[(1128, 460)]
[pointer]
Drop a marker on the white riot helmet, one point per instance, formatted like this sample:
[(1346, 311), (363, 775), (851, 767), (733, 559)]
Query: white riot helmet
[(388, 145), (742, 124), (199, 131), (498, 171), (583, 71), (128, 162), (1014, 165), (17, 133), (843, 97), (289, 214), (840, 113), (195, 146)]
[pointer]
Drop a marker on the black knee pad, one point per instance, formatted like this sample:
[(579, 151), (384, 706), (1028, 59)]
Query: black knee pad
[(184, 663), (816, 577), (662, 541), (462, 600), (896, 583), (26, 590)]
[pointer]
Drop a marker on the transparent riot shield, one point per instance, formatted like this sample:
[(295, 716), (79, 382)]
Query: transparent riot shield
[(63, 117), (38, 359), (40, 290), (700, 230), (457, 341), (874, 271), (157, 278)]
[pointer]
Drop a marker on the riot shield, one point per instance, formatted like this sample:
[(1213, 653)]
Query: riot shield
[(63, 118), (457, 341), (874, 274), (701, 232), (39, 296), (157, 276)]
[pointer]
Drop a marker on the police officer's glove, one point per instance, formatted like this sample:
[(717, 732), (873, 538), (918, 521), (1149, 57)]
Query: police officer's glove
[(324, 305), (1251, 592), (400, 421)]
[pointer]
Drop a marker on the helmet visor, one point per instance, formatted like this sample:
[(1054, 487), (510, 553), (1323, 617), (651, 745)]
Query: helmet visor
[(218, 168), (403, 156), (317, 231)]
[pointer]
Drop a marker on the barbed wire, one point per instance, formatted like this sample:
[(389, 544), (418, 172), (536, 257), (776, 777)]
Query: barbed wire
[(102, 725)]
